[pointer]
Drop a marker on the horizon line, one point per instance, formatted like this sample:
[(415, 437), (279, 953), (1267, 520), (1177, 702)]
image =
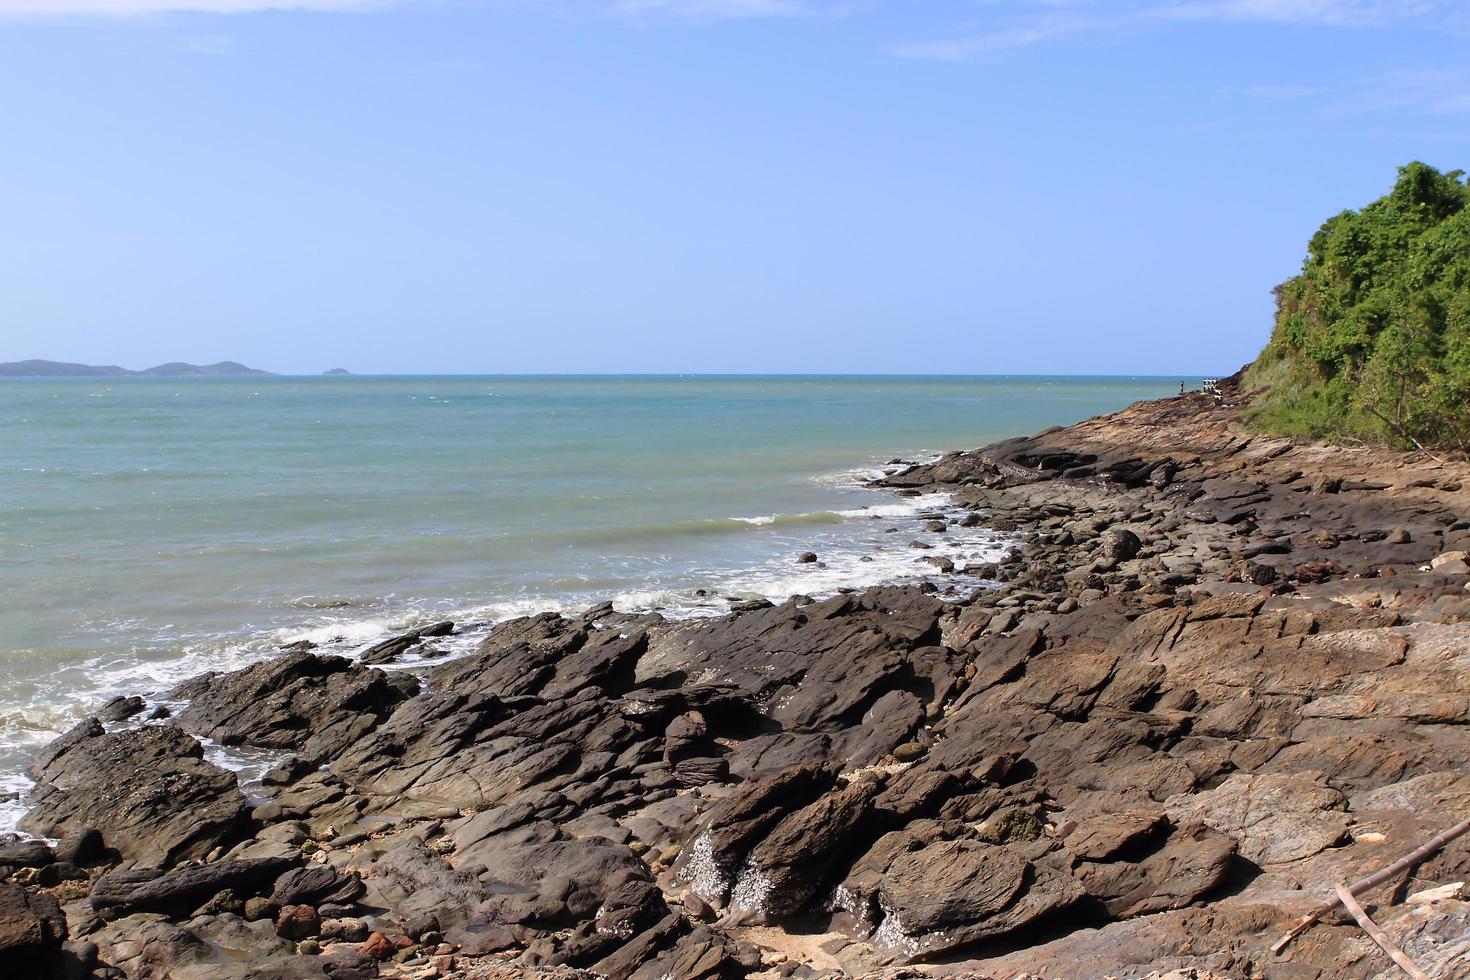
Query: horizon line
[(611, 374)]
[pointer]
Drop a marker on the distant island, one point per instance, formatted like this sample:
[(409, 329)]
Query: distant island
[(173, 369), (338, 373)]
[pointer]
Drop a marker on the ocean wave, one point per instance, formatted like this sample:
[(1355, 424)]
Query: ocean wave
[(907, 508), (855, 546), (895, 509), (740, 524), (792, 520), (329, 602), (862, 476)]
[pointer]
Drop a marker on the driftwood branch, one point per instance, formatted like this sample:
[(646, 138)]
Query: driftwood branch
[(1377, 877), (1395, 424), (1399, 430), (1379, 936)]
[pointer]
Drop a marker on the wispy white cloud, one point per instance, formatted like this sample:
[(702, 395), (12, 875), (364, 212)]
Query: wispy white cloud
[(1021, 23), (1430, 91), (128, 8), (1421, 91), (700, 9), (975, 44), (714, 9), (1336, 13)]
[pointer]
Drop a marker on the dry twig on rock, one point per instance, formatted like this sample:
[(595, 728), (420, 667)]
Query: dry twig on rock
[(1379, 936), (1377, 877)]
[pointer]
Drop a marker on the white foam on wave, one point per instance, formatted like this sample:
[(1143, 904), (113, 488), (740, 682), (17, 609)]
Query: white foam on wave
[(675, 603), (857, 547), (872, 546), (13, 788), (905, 508), (248, 764), (57, 707), (861, 476)]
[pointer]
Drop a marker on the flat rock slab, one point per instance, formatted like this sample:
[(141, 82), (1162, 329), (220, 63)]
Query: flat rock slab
[(1275, 817), (1192, 862)]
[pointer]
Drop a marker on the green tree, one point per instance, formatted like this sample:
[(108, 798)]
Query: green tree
[(1372, 339)]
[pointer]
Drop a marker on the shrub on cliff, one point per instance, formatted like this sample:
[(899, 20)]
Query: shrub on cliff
[(1372, 339)]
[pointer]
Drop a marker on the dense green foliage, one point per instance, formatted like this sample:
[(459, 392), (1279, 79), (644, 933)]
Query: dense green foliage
[(1372, 340)]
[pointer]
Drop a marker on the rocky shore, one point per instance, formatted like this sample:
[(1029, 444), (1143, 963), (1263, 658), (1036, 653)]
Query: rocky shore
[(1219, 675)]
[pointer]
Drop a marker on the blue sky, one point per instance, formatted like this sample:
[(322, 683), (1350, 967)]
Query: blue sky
[(974, 186)]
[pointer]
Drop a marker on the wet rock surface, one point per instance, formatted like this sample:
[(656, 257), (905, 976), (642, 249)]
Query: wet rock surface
[(147, 790), (313, 705), (1216, 675)]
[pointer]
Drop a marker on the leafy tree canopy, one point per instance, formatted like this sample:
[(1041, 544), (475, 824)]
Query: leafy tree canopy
[(1372, 339)]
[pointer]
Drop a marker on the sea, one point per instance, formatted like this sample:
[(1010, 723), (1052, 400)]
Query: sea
[(153, 528)]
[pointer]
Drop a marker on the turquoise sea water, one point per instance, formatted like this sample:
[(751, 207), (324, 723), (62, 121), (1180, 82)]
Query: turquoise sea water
[(154, 528)]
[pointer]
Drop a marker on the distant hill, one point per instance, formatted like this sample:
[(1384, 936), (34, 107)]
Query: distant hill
[(224, 369), (174, 369), (338, 372), (58, 369)]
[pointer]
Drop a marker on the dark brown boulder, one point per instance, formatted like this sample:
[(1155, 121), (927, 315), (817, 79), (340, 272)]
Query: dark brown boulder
[(80, 846), (477, 751), (1135, 863), (1117, 545), (184, 887), (148, 791), (703, 954), (782, 873), (318, 884), (297, 922), (687, 735), (389, 650), (315, 706), (32, 929), (709, 861), (26, 854), (120, 708), (517, 658), (921, 893)]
